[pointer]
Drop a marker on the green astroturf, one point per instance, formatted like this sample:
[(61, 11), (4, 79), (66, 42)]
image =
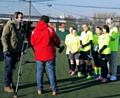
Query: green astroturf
[(69, 86)]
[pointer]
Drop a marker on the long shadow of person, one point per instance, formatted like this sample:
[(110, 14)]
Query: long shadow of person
[(70, 84)]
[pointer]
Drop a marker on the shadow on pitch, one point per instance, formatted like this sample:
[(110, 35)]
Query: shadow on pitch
[(71, 84), (70, 80), (81, 85), (109, 96)]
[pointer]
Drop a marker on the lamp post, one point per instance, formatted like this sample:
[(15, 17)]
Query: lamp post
[(30, 4), (49, 5), (9, 13), (30, 10)]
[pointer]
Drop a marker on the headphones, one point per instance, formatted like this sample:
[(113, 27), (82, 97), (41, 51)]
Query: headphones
[(16, 14)]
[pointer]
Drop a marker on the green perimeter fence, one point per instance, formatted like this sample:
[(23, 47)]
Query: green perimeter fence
[(62, 35)]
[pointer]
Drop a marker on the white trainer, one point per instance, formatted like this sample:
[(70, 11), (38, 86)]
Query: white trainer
[(78, 74), (113, 78), (108, 76), (72, 73)]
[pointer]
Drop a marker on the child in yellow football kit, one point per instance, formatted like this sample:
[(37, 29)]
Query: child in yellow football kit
[(104, 50), (85, 51), (74, 54), (67, 40), (97, 65)]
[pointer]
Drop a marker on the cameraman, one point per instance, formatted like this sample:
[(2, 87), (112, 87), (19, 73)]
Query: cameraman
[(44, 40), (11, 41)]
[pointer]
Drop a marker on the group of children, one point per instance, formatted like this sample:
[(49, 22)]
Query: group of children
[(101, 46)]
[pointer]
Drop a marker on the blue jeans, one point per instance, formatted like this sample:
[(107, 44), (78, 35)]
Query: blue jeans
[(52, 74), (10, 61)]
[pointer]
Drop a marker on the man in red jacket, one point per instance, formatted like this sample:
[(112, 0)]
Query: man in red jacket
[(45, 40)]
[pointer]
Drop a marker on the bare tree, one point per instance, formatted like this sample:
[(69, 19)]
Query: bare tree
[(100, 18), (70, 21)]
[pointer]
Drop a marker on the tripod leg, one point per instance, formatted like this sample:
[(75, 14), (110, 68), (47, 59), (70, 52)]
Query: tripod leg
[(22, 61), (15, 67), (46, 76), (19, 74)]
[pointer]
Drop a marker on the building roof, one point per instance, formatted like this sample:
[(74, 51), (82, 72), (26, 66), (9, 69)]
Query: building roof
[(33, 18)]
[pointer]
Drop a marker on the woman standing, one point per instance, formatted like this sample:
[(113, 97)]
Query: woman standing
[(97, 65), (74, 54), (67, 40), (85, 45), (104, 50)]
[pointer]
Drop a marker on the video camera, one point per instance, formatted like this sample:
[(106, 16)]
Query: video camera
[(26, 28)]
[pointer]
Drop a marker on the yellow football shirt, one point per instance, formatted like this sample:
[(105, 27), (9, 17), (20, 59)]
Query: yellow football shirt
[(114, 33), (75, 43), (67, 41), (104, 39), (85, 38)]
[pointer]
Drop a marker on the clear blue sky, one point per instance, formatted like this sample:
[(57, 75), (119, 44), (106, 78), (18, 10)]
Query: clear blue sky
[(76, 8)]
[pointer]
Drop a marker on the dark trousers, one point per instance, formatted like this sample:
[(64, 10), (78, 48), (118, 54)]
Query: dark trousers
[(96, 58), (10, 61), (104, 69)]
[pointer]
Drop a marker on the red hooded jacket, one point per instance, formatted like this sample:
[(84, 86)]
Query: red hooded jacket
[(44, 39)]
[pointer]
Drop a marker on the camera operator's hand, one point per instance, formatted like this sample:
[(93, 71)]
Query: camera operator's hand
[(7, 53)]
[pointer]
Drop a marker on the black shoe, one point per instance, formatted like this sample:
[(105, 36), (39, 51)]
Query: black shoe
[(12, 86)]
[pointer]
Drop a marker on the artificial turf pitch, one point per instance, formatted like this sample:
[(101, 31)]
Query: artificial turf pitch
[(69, 86)]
